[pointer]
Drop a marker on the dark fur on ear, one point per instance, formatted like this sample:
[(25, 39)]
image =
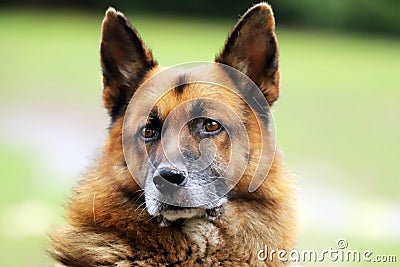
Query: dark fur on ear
[(124, 61), (252, 48)]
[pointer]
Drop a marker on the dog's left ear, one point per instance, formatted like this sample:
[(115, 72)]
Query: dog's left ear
[(124, 61), (252, 48)]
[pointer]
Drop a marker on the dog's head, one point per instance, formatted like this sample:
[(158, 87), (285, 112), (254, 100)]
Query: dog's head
[(192, 138)]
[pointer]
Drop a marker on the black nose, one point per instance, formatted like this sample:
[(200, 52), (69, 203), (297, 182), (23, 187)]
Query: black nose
[(169, 180)]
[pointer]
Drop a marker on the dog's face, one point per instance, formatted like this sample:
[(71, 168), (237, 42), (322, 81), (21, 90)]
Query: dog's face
[(181, 140), (191, 140)]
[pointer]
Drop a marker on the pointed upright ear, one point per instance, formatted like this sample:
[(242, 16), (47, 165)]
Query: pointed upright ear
[(124, 61), (252, 48)]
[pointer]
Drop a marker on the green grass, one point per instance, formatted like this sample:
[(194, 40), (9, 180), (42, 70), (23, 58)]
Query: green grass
[(340, 98), (337, 119), (26, 208)]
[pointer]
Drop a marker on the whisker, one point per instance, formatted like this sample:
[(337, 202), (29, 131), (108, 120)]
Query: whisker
[(143, 209), (140, 206)]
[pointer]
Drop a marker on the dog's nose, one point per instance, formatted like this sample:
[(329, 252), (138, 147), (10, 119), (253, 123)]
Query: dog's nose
[(169, 180)]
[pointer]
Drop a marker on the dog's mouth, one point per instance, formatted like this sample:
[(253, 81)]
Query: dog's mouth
[(176, 216)]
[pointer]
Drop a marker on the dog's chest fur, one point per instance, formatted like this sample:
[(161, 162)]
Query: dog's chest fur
[(204, 234)]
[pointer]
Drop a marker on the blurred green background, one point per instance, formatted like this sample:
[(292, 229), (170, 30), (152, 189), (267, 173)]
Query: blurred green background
[(337, 121)]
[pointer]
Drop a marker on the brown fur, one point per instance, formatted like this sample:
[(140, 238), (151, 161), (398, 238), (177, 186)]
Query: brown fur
[(107, 224)]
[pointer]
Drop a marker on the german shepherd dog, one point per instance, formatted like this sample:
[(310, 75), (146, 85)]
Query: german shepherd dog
[(189, 175)]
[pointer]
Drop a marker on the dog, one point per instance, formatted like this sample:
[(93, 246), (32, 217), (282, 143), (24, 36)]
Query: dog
[(176, 183)]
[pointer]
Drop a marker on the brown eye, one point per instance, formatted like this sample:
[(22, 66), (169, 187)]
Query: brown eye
[(211, 126), (148, 132)]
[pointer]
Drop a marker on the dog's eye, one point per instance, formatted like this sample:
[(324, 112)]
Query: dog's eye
[(148, 132), (211, 126)]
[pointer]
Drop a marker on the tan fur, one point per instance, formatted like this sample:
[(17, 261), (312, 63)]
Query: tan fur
[(107, 224)]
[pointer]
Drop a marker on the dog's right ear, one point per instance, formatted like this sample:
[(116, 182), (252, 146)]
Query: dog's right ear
[(124, 61)]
